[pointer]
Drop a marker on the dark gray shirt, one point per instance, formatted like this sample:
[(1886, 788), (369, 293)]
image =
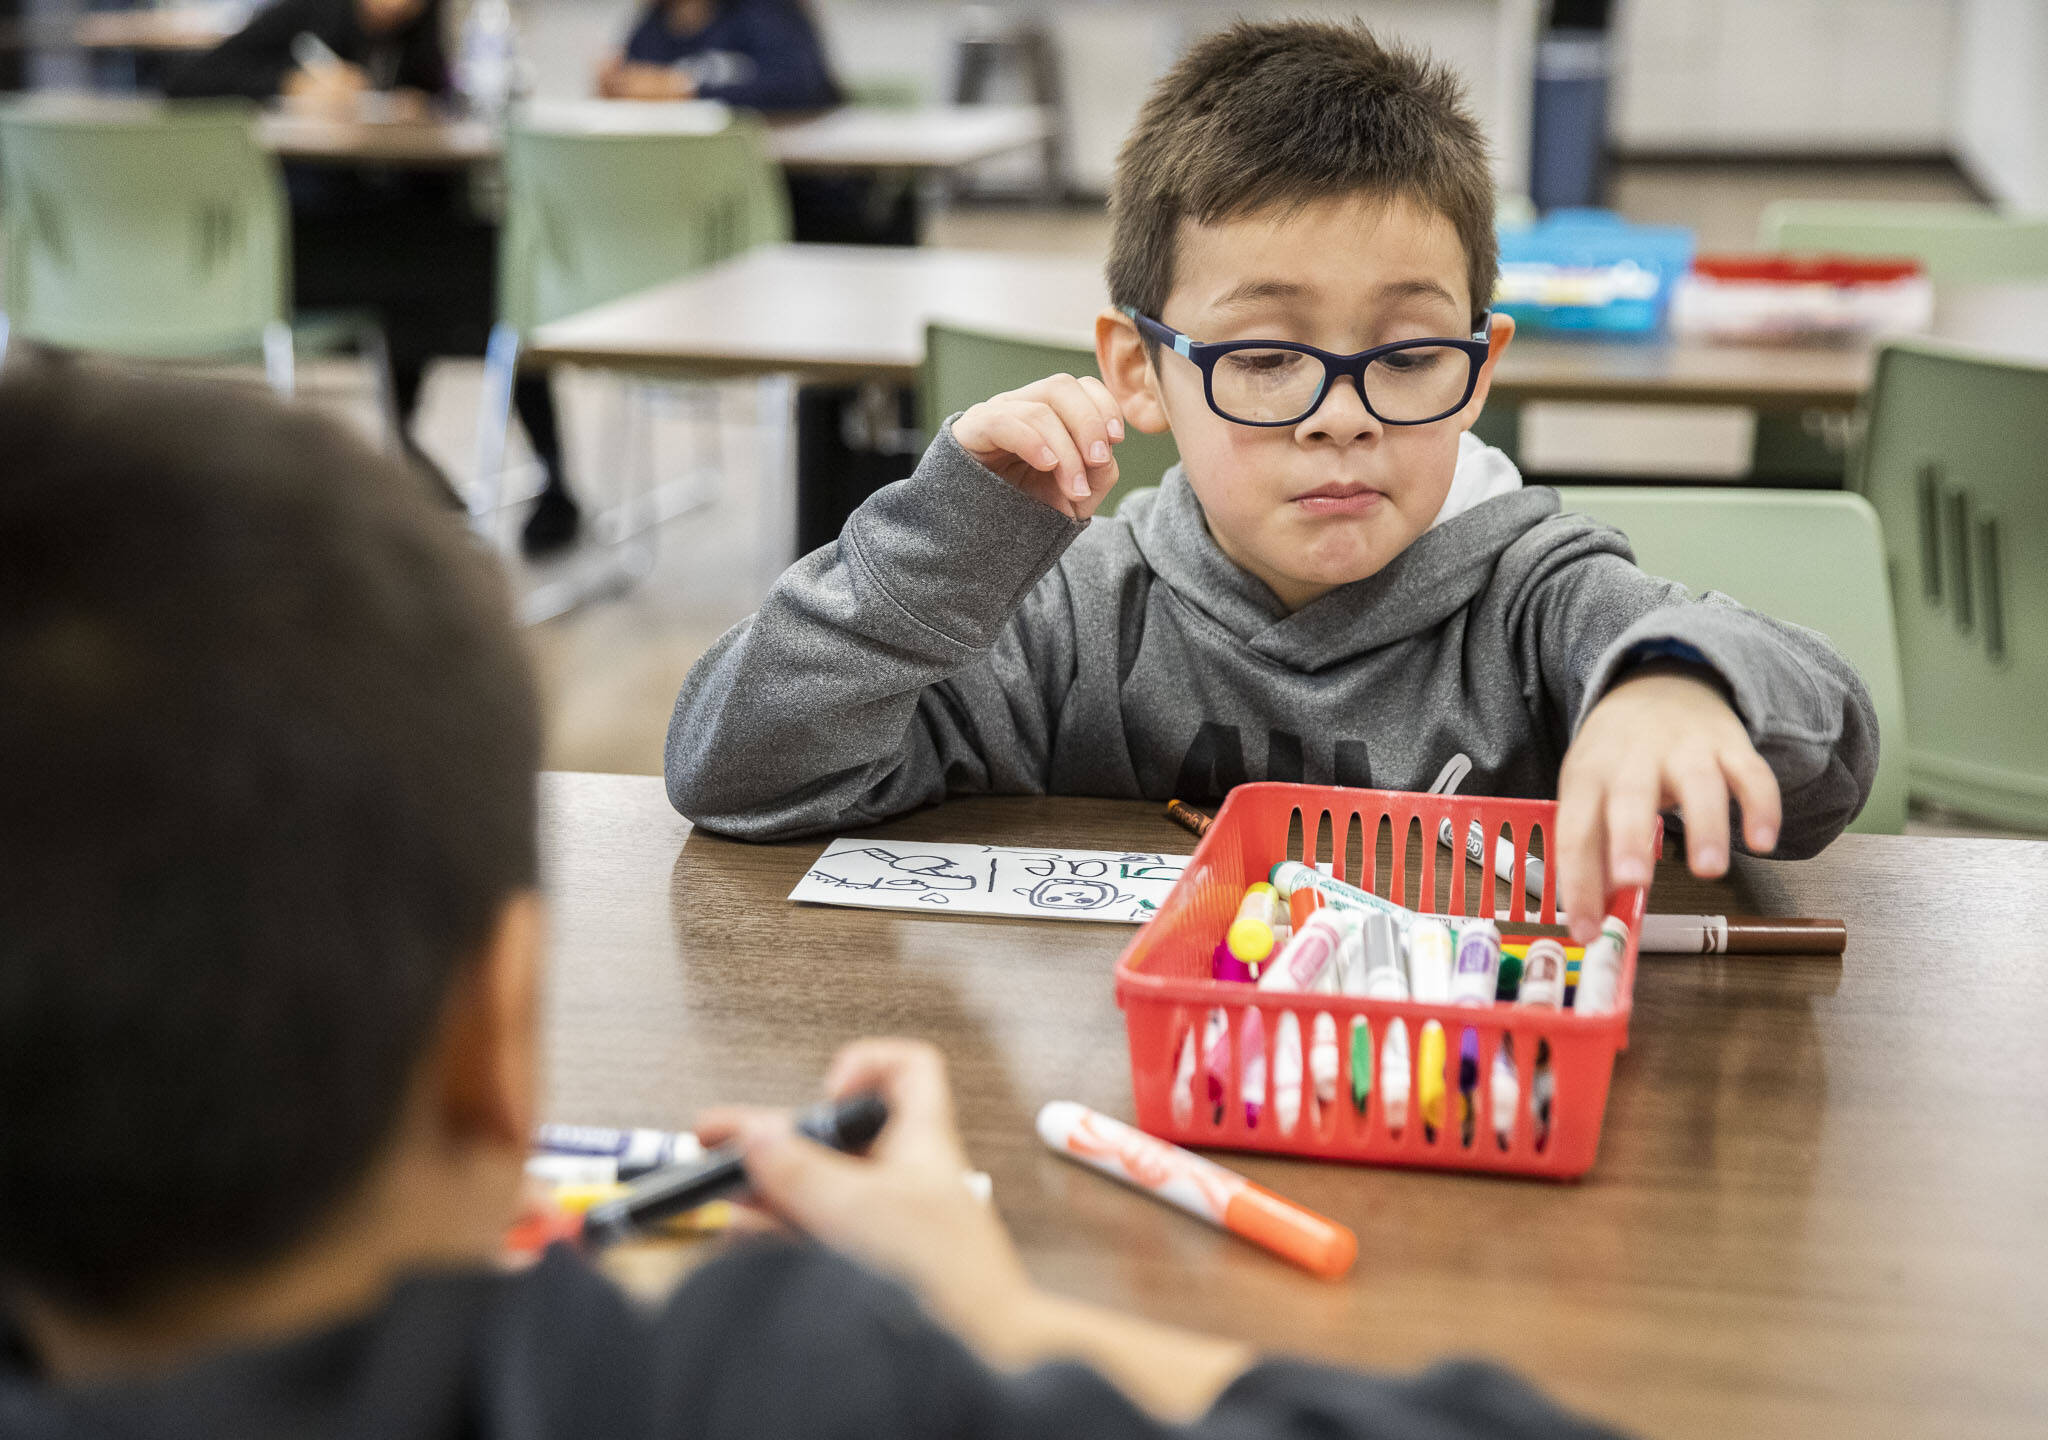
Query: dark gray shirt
[(772, 1342)]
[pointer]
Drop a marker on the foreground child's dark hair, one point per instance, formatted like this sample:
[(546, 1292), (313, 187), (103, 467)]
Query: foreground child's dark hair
[(1287, 113), (267, 751)]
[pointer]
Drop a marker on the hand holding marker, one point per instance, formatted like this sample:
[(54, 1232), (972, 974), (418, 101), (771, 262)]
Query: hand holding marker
[(1661, 934), (848, 1125)]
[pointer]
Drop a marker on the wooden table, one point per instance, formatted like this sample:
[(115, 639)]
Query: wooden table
[(1820, 1208), (839, 313), (854, 137)]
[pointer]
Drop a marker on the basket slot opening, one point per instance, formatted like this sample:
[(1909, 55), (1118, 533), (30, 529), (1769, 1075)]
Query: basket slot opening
[(1507, 889), (1357, 863), (1294, 833), (1326, 841), (1422, 893), (1386, 861), (1543, 1095)]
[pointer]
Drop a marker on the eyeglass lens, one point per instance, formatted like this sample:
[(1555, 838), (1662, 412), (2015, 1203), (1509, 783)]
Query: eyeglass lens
[(1272, 386)]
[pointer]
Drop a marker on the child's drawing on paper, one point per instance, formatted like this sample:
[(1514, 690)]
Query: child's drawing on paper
[(918, 876), (1124, 887)]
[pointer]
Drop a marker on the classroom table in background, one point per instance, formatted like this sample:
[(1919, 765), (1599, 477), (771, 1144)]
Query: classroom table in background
[(862, 315), (1817, 1209), (844, 315), (851, 138), (172, 30)]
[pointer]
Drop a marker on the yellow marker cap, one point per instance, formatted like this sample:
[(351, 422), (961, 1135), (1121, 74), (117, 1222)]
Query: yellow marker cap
[(1249, 940)]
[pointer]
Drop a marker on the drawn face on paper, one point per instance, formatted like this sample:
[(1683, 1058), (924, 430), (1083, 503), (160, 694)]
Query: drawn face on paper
[(1072, 894)]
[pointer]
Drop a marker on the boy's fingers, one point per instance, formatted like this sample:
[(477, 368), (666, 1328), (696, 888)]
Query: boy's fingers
[(1756, 791), (1703, 802), (1631, 821), (1068, 470), (1105, 405), (722, 1123), (802, 1181), (911, 1076), (1084, 422), (1582, 877)]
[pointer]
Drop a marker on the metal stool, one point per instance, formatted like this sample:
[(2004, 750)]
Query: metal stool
[(990, 42)]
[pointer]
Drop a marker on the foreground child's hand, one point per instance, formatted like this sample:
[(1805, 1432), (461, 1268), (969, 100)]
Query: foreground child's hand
[(1661, 738), (1050, 439), (902, 1208)]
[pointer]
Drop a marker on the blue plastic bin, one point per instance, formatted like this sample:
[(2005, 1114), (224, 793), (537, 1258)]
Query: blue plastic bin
[(1590, 270)]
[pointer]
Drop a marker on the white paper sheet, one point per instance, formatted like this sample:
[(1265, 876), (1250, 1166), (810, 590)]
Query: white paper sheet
[(1122, 887)]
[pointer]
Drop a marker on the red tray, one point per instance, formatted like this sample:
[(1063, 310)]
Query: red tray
[(1163, 985)]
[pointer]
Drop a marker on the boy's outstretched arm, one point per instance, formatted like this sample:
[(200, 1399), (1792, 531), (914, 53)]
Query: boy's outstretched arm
[(1684, 704), (903, 1212), (926, 650)]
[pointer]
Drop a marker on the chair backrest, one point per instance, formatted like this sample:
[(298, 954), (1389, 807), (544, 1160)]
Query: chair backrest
[(964, 367), (142, 228), (1815, 558), (1959, 244), (601, 201), (1955, 460)]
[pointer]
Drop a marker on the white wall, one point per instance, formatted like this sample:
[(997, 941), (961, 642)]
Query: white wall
[(2001, 98), (1111, 50), (1785, 76)]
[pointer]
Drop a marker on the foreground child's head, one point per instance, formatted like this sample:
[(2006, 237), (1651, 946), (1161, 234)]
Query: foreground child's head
[(1299, 181), (266, 848)]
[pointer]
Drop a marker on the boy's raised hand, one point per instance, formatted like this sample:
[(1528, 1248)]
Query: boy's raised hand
[(1052, 440), (1663, 737)]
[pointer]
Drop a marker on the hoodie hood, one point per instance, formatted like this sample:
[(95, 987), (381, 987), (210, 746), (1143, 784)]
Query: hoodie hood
[(1486, 510)]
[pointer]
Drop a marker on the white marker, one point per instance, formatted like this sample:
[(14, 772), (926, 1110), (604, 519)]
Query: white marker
[(1600, 970)]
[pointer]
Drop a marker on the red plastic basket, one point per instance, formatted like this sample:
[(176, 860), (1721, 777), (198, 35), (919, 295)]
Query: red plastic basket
[(1163, 984)]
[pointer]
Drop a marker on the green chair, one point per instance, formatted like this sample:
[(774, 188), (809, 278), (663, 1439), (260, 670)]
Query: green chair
[(1953, 461), (963, 367), (603, 199), (1967, 244), (1959, 244), (1815, 558), (155, 231)]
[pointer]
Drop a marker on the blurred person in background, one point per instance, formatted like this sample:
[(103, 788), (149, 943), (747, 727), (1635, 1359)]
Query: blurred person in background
[(762, 55), (405, 243)]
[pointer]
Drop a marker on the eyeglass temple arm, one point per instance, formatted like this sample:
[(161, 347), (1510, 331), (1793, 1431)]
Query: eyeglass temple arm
[(1153, 330)]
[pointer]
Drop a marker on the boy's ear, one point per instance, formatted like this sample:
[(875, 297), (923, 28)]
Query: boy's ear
[(1128, 371), (490, 1042), (1500, 330)]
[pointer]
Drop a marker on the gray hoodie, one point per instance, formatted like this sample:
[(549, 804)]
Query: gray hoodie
[(961, 637)]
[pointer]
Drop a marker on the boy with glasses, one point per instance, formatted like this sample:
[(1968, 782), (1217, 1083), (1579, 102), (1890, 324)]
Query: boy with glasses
[(1339, 584)]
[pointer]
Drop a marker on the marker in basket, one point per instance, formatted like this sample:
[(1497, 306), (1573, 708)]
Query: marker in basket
[(1600, 969), (1199, 1186), (1503, 855), (1189, 818), (1253, 933), (1304, 965), (1542, 975)]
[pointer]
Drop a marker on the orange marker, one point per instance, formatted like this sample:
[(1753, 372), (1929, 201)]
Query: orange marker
[(1201, 1187)]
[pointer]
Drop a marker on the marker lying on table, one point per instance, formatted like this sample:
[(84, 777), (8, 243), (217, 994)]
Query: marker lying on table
[(1660, 934), (1189, 818), (1201, 1187), (849, 1125)]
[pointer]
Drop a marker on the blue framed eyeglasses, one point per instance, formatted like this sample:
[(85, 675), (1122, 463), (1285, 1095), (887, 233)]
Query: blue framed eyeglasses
[(1277, 382)]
